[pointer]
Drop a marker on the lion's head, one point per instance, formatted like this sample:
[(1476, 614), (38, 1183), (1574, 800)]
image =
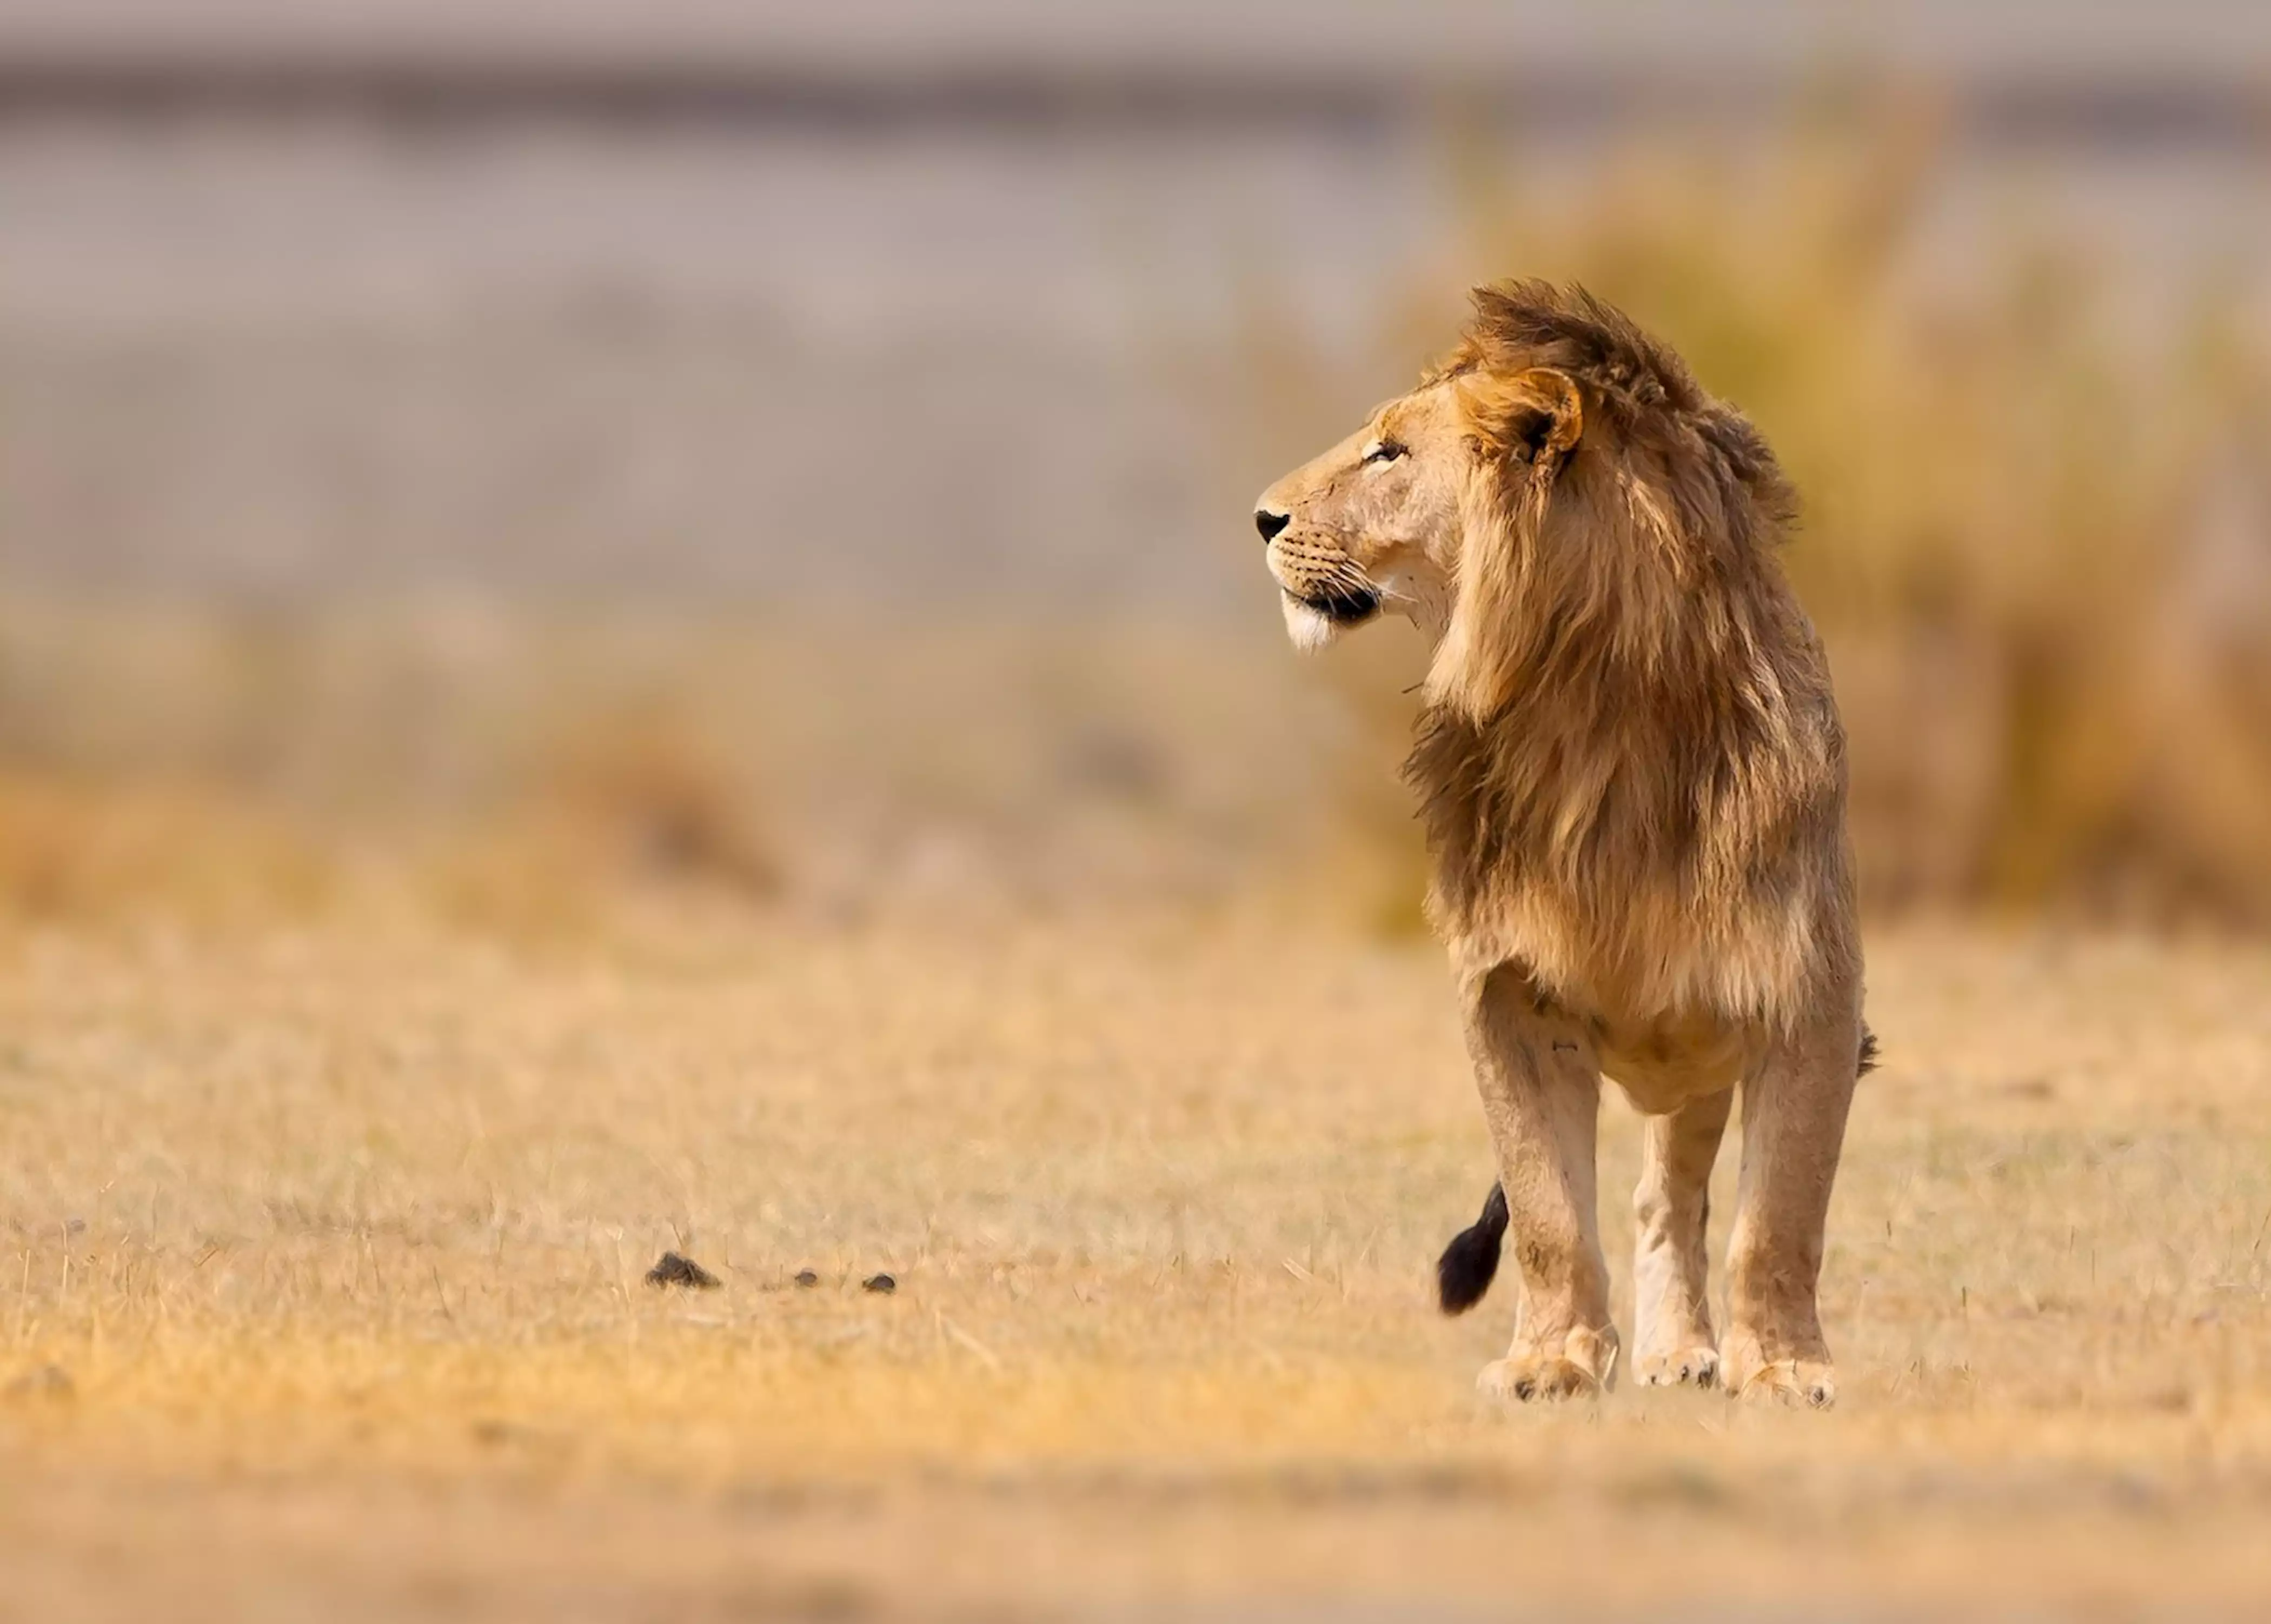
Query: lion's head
[(1374, 525), (1557, 463)]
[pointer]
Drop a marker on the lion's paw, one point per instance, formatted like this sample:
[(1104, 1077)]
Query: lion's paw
[(1532, 1377), (1587, 1363), (1800, 1383), (1755, 1365), (1689, 1368)]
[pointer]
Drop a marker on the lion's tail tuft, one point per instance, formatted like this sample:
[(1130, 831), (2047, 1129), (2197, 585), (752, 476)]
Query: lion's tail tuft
[(1470, 1261)]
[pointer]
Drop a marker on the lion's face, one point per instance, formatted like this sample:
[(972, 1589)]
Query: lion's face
[(1373, 525)]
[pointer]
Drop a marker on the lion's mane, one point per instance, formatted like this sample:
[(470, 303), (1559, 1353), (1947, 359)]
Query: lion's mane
[(1630, 768)]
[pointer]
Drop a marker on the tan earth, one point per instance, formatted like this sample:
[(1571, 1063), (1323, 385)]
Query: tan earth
[(322, 1293)]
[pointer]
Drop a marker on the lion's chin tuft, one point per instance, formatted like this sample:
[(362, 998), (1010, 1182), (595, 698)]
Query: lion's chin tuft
[(1313, 623), (1310, 628)]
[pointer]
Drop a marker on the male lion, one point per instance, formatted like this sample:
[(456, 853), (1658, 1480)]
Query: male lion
[(1632, 777)]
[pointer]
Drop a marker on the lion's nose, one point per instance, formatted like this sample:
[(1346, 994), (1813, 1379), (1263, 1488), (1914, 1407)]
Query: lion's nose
[(1270, 523)]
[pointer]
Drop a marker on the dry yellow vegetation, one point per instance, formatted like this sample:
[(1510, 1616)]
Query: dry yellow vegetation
[(323, 1287)]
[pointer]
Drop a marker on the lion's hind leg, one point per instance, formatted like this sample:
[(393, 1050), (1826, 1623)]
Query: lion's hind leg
[(1671, 1331), (1794, 1110)]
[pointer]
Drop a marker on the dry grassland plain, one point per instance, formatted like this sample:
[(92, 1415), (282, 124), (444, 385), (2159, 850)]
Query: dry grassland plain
[(325, 1257)]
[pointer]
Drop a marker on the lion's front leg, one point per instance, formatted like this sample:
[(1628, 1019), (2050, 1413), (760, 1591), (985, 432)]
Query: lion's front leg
[(1541, 1096), (1673, 1345), (1794, 1110)]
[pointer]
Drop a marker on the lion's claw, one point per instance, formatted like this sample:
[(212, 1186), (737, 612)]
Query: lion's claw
[(1697, 1367)]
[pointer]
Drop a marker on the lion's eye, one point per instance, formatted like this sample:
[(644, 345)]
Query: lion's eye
[(1383, 450)]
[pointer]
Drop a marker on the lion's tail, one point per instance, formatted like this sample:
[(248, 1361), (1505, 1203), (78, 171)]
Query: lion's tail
[(1470, 1263)]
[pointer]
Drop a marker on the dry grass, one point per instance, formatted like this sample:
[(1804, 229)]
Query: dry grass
[(325, 1254)]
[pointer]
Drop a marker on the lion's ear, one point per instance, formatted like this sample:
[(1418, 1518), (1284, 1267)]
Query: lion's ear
[(1535, 416)]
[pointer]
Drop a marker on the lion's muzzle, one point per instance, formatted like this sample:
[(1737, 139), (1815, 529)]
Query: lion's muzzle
[(1344, 605), (1316, 574)]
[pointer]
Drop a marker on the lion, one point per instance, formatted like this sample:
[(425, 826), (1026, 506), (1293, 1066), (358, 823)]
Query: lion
[(1631, 772)]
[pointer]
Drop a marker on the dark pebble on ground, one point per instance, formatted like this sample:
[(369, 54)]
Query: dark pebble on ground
[(675, 1271)]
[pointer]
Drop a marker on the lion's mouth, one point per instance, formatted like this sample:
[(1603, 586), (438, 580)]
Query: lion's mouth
[(1343, 606)]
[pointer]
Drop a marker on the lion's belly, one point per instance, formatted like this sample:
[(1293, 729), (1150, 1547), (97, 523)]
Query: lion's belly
[(1663, 1066)]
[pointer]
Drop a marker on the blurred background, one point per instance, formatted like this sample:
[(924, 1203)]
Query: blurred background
[(486, 455)]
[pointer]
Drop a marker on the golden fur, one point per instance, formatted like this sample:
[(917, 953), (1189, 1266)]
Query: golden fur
[(1632, 775)]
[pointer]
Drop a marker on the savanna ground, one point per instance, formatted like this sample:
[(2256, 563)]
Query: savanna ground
[(326, 1251)]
